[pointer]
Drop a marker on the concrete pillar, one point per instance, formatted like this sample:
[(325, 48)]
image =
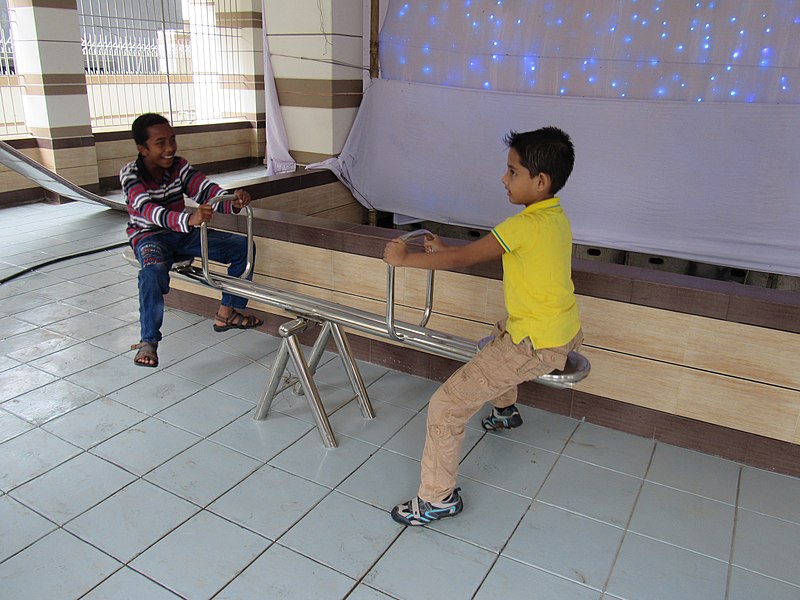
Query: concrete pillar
[(317, 58), (50, 65)]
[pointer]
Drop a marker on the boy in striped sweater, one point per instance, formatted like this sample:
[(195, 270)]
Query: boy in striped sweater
[(162, 232)]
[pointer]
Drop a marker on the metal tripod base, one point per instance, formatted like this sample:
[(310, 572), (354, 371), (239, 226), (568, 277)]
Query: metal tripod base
[(290, 347)]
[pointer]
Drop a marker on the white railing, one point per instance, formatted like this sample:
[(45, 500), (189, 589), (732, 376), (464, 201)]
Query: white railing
[(11, 112)]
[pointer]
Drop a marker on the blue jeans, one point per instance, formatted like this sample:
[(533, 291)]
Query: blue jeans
[(158, 252)]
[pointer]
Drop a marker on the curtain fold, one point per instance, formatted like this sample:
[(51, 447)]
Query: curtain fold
[(276, 157)]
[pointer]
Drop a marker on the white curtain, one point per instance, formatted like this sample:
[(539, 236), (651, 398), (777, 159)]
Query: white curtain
[(277, 157), (684, 116)]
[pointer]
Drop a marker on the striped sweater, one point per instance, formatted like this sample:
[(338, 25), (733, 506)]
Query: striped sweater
[(157, 206)]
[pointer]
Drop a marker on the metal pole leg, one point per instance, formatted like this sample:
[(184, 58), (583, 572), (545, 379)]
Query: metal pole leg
[(311, 392), (346, 354), (269, 392)]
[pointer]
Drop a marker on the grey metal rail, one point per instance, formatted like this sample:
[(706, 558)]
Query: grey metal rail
[(44, 177), (321, 311), (333, 317)]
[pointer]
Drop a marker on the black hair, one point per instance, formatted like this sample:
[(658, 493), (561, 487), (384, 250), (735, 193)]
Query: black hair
[(142, 123), (546, 150)]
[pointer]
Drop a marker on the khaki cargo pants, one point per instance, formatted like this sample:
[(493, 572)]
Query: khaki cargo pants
[(492, 375)]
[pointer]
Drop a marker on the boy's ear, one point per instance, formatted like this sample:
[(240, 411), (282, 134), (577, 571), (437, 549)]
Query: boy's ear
[(141, 148), (543, 181)]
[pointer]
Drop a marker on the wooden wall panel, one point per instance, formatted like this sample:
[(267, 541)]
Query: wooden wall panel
[(729, 374)]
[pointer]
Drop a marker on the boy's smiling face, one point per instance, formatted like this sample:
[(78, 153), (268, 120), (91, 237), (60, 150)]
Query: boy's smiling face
[(521, 186), (159, 150)]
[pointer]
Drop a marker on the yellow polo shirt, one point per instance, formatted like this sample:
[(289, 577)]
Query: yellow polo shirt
[(537, 275)]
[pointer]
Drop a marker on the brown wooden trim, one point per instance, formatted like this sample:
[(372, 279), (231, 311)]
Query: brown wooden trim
[(319, 93), (23, 196), (308, 158), (239, 20), (77, 131), (746, 448), (65, 4), (65, 143)]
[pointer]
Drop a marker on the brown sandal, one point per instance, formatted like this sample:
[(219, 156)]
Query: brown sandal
[(147, 355), (237, 320)]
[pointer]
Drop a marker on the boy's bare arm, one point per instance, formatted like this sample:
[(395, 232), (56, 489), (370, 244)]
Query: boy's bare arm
[(444, 257)]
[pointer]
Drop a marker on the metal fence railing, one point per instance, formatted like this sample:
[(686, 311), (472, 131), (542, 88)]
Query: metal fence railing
[(11, 112), (166, 56)]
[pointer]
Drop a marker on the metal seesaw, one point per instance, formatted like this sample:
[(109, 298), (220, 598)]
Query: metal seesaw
[(332, 318)]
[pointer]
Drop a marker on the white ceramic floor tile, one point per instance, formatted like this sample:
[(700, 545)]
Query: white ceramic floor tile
[(71, 360), (10, 326), (130, 521), (263, 439), (19, 526), (404, 390), (685, 520), (31, 454), (770, 493), (94, 422), (333, 373), (269, 501), (370, 484), (691, 471), (566, 544), (429, 555), (281, 573), (49, 401), (745, 585), (539, 428), (344, 534), (489, 517), (57, 566), (255, 345), (201, 556), (94, 299), (309, 458), (205, 412), (50, 313), (7, 363), (767, 545), (364, 592), (127, 584), (389, 419), (649, 569), (611, 449), (248, 383), (36, 344), (11, 426), (22, 379), (510, 580), (86, 325), (203, 472), (511, 466), (209, 365), (296, 405), (145, 446), (72, 487), (156, 392), (110, 375), (591, 491)]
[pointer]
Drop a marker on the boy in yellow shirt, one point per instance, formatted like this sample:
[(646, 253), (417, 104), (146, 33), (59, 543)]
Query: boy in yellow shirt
[(543, 323)]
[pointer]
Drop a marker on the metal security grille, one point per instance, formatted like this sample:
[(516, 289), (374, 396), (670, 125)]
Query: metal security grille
[(177, 58), (13, 117)]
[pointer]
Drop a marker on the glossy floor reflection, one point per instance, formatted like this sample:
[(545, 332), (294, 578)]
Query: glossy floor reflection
[(124, 482)]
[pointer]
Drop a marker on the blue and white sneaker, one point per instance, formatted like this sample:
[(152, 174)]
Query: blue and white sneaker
[(504, 418), (419, 512)]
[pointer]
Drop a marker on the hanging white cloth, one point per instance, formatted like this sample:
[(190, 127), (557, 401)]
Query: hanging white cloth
[(277, 157), (712, 182)]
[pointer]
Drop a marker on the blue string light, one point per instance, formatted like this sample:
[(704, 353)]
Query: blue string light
[(500, 45)]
